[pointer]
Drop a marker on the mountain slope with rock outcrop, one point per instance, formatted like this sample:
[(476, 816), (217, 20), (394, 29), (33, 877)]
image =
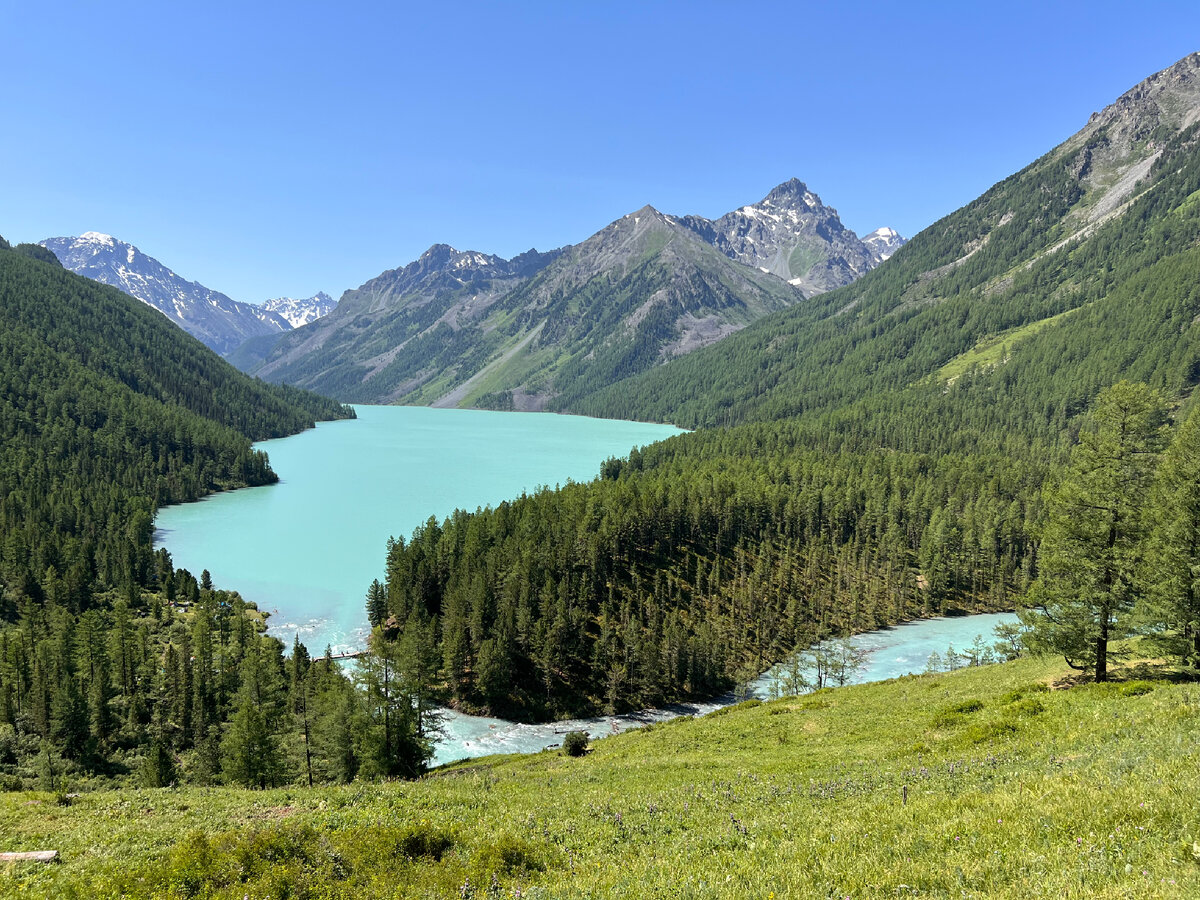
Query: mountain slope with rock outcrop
[(542, 330)]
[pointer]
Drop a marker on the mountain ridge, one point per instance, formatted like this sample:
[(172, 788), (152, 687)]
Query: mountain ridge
[(982, 260), (219, 321), (300, 311), (470, 328)]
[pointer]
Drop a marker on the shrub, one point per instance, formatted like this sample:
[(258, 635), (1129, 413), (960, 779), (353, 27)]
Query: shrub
[(1030, 706), (983, 732), (967, 706), (1035, 687), (1135, 688), (423, 840), (509, 855), (194, 865), (575, 743), (956, 713)]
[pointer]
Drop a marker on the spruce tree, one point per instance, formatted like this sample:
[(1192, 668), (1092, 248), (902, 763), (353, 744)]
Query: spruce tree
[(1172, 572), (251, 751), (1097, 520), (377, 605)]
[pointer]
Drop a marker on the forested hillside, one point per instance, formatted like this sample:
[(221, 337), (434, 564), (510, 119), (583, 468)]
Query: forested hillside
[(891, 442), (108, 411)]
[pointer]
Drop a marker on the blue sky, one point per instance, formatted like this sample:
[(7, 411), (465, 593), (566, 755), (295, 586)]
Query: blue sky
[(270, 149)]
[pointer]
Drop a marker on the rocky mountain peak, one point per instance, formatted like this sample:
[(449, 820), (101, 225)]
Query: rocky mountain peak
[(1171, 97), (883, 242), (792, 192), (301, 311), (1166, 101), (1117, 147), (792, 234), (214, 318), (648, 212)]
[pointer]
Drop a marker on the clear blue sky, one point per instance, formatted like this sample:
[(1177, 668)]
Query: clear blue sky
[(269, 149)]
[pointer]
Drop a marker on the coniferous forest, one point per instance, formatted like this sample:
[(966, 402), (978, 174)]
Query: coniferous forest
[(882, 451), (114, 664)]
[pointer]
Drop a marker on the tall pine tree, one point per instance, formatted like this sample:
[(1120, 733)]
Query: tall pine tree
[(1097, 520)]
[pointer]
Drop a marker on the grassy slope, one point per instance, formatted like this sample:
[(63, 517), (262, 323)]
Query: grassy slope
[(995, 350), (1092, 796)]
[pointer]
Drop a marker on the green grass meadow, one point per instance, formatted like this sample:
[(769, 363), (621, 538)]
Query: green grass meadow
[(989, 782)]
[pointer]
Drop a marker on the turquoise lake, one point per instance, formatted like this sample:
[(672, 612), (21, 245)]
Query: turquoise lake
[(305, 549)]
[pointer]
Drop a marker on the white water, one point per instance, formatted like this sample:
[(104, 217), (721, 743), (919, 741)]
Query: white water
[(891, 652)]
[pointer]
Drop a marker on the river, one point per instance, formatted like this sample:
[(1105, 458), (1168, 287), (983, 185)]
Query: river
[(890, 653)]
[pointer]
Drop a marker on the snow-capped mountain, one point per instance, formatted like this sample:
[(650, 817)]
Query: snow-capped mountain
[(220, 322), (301, 312), (883, 242), (792, 234)]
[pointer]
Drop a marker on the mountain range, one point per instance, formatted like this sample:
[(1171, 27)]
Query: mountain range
[(217, 320), (297, 312), (979, 292), (542, 329)]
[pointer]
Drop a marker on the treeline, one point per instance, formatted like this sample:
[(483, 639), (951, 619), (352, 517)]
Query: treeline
[(181, 685)]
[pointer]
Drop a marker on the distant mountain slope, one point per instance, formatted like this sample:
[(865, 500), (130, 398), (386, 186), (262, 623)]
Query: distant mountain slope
[(217, 320), (1065, 233), (300, 312), (467, 328), (109, 411)]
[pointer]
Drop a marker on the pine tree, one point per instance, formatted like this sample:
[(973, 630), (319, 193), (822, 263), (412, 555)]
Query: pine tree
[(377, 605), (251, 751), (1091, 547), (1173, 556)]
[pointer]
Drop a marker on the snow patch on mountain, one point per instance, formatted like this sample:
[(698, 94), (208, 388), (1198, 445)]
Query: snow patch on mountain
[(219, 321), (883, 242), (299, 312)]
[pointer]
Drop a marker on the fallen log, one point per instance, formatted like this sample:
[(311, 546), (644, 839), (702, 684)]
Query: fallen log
[(42, 856)]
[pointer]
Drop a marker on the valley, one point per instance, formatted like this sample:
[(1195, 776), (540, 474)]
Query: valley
[(783, 439)]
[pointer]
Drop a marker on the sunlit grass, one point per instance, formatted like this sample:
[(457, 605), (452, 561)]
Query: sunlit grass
[(980, 783), (995, 350)]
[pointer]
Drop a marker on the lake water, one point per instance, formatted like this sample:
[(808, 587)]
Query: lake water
[(305, 549)]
